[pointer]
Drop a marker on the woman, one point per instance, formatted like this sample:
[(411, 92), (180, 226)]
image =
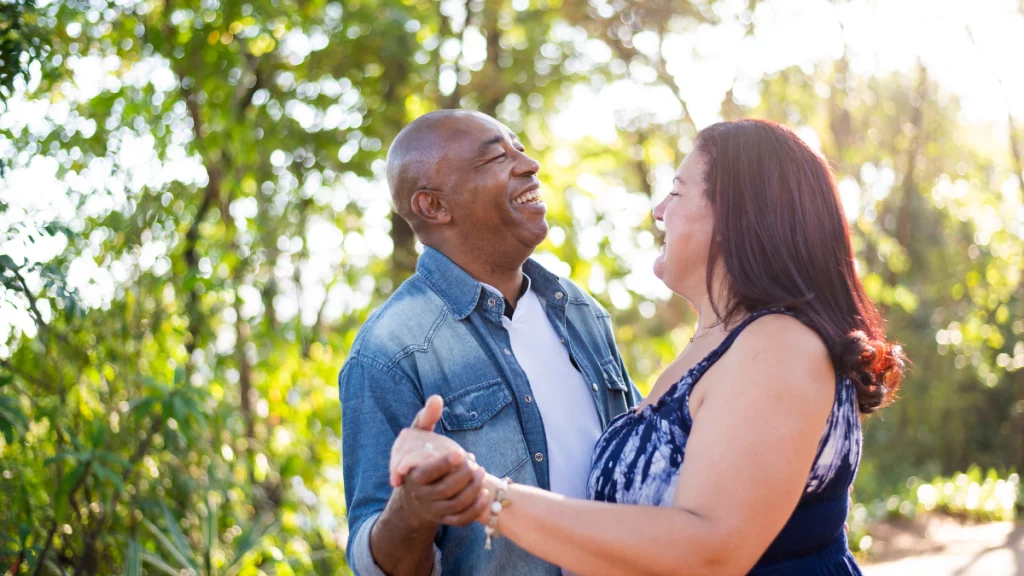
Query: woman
[(741, 458)]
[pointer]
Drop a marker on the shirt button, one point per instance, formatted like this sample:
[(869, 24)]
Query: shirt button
[(529, 399), (472, 415), (594, 386), (563, 340), (538, 457), (558, 295), (507, 353), (491, 302)]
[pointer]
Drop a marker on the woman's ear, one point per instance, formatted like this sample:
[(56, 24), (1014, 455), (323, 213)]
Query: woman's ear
[(428, 205)]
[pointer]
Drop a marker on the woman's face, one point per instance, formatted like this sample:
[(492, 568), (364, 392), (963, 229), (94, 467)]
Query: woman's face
[(689, 222)]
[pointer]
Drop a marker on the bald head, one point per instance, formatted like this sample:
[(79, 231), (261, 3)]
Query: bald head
[(464, 183), (414, 159)]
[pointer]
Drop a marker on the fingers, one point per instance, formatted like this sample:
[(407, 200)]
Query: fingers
[(467, 495), (427, 417), (457, 495), (447, 488), (452, 484), (408, 462), (433, 469), (470, 514)]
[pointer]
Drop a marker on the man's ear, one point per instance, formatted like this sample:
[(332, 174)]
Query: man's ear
[(428, 205)]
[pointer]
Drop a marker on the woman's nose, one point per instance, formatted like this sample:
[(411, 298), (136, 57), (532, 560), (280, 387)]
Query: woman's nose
[(659, 211)]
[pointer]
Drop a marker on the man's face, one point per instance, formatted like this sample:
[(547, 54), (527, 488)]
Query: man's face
[(495, 195)]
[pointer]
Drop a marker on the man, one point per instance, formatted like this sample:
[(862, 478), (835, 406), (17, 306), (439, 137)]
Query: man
[(525, 361)]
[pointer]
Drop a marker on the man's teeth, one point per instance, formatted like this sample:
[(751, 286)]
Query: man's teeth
[(528, 197)]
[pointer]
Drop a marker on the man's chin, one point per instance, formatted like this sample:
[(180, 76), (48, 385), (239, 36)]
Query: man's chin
[(535, 236)]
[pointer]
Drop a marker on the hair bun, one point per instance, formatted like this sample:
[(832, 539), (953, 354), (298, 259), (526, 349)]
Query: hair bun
[(875, 366)]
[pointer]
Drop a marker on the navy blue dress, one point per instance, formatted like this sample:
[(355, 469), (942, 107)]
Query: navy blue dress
[(637, 461)]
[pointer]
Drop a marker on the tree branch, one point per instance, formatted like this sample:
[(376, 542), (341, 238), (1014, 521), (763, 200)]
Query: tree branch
[(31, 299)]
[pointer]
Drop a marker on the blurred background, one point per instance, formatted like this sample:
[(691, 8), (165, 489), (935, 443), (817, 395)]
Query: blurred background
[(194, 224)]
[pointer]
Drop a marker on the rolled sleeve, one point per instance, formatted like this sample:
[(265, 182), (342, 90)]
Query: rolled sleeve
[(376, 403), (361, 559), (609, 334)]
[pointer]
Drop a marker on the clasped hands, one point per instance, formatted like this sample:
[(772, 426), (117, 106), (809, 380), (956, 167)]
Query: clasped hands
[(439, 482)]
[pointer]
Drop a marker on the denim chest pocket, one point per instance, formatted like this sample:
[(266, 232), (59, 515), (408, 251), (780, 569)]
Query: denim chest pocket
[(482, 419)]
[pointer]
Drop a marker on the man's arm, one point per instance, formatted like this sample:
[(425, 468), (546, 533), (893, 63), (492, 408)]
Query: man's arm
[(392, 531)]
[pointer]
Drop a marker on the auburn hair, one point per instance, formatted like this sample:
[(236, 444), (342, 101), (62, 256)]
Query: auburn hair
[(780, 232)]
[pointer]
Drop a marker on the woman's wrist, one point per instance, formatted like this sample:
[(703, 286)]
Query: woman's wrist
[(497, 504), (491, 484)]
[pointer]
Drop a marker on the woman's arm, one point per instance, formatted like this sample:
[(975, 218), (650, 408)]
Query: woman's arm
[(748, 456)]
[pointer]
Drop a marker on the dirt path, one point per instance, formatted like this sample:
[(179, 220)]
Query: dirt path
[(939, 546)]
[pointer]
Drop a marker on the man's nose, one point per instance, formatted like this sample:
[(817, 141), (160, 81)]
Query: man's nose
[(526, 166)]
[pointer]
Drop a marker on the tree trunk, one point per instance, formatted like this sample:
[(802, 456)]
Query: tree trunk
[(492, 87), (403, 259), (1018, 169), (909, 186)]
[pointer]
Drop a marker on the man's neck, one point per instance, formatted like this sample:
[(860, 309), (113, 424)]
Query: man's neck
[(507, 279)]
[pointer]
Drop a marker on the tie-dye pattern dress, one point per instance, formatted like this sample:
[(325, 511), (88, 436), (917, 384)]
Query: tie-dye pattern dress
[(637, 461)]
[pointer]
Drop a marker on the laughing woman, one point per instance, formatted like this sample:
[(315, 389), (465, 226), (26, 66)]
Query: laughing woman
[(740, 459)]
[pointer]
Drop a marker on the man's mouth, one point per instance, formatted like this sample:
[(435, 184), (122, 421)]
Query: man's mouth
[(532, 196)]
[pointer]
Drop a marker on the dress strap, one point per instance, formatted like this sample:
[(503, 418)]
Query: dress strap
[(724, 346)]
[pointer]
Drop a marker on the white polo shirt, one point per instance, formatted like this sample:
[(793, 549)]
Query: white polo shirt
[(566, 404)]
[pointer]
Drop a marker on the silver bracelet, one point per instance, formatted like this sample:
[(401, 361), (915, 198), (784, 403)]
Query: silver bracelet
[(499, 504)]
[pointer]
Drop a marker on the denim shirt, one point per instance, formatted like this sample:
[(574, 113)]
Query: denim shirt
[(441, 333)]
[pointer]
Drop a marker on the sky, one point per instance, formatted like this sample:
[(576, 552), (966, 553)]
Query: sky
[(973, 49), (882, 36)]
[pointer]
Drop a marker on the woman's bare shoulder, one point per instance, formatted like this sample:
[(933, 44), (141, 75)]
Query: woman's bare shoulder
[(781, 351)]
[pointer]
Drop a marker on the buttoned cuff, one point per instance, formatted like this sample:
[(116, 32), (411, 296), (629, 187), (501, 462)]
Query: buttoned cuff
[(363, 563)]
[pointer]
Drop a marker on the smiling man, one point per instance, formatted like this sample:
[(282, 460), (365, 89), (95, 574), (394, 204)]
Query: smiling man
[(525, 361)]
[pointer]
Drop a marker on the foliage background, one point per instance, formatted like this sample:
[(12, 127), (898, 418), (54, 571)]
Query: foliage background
[(193, 227)]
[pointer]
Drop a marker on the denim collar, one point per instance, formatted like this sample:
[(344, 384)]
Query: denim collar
[(461, 292)]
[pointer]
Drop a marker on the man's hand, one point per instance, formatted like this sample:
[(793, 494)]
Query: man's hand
[(436, 482), (446, 489)]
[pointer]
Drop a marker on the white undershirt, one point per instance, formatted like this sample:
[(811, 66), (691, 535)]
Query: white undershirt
[(566, 403)]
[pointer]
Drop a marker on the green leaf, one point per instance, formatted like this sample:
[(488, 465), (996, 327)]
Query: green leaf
[(78, 443), (262, 526), (167, 544), (67, 483), (141, 407), (55, 568), (25, 528), (175, 531), (63, 455), (210, 528), (107, 474), (10, 411), (7, 430), (6, 262), (133, 558), (156, 562), (113, 459)]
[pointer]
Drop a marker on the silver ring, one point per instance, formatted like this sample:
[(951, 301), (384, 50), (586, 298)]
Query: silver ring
[(428, 446)]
